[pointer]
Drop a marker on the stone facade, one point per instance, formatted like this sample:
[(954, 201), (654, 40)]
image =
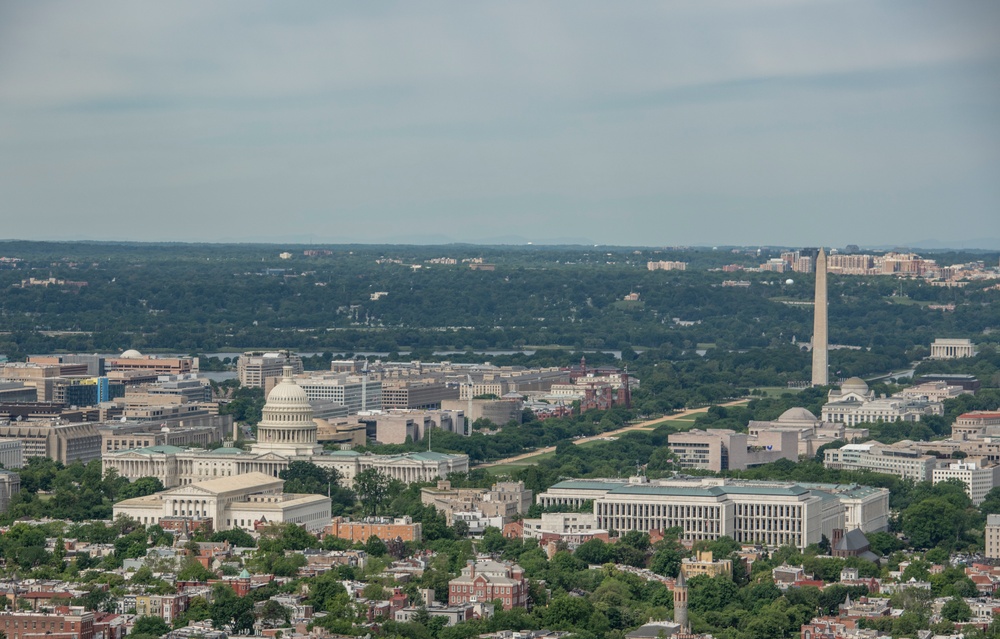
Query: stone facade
[(245, 502), (287, 433)]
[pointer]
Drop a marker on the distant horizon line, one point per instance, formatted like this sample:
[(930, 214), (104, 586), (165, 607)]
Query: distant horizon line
[(526, 244)]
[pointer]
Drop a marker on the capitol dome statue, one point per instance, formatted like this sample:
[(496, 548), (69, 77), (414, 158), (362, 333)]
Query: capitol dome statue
[(286, 426)]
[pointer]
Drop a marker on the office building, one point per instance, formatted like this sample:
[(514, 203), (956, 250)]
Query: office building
[(769, 513), (254, 368), (932, 391), (396, 426), (66, 443), (17, 392), (203, 431), (89, 391), (500, 412), (133, 360), (810, 432), (977, 424), (11, 453), (570, 528), (95, 363), (170, 389), (898, 459), (358, 393), (720, 449), (416, 394), (978, 476)]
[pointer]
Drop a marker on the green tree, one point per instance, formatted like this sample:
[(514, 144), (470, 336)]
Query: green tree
[(149, 625), (193, 570), (955, 609), (375, 546), (565, 612), (228, 609), (594, 551), (273, 613), (235, 536), (372, 487), (933, 520)]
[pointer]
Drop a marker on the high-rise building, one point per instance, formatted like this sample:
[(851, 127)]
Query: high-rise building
[(820, 342)]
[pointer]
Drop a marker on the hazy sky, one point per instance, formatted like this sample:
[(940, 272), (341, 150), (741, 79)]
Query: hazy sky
[(653, 123)]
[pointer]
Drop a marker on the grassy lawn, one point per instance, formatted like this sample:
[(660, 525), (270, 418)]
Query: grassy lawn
[(506, 469), (906, 301), (777, 391)]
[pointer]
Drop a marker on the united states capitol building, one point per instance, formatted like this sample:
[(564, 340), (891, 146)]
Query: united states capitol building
[(286, 433)]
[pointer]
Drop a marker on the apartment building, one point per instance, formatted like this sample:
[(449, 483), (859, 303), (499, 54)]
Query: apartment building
[(74, 624), (385, 528)]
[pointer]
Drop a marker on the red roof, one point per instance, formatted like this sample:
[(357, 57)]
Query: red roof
[(819, 583), (47, 595)]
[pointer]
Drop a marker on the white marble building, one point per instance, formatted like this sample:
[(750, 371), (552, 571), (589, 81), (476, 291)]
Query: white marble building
[(856, 404), (231, 502), (286, 433)]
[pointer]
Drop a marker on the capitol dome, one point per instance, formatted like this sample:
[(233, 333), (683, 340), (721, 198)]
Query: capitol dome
[(854, 385), (131, 354), (286, 426), (287, 394), (797, 415)]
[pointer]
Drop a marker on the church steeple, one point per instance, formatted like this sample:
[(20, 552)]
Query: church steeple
[(681, 602)]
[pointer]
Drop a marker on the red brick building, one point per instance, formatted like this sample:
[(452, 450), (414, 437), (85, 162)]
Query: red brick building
[(44, 626), (385, 528), (486, 580)]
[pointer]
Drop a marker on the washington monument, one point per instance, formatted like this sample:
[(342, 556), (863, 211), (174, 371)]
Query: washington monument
[(820, 366)]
